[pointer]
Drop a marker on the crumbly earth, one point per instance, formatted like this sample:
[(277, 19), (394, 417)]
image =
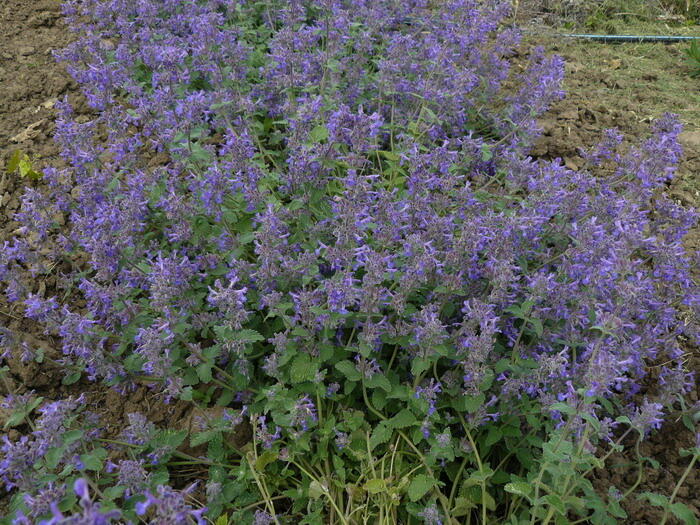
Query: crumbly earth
[(622, 86)]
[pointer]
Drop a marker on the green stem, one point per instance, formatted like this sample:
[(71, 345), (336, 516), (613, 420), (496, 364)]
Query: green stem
[(444, 502), (640, 471), (481, 468), (687, 471), (455, 483), (325, 493)]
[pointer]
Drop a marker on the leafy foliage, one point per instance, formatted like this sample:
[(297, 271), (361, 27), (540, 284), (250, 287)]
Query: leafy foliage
[(693, 54)]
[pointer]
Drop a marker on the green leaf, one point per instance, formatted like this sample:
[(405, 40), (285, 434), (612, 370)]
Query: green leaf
[(481, 476), (316, 490), (302, 369), (347, 368), (112, 493), (222, 520), (469, 404), (94, 460), (18, 417), (381, 434), (419, 365), (403, 419), (15, 419), (248, 335), (71, 378), (202, 437), (519, 488), (557, 504), (683, 513), (14, 161), (173, 439), (379, 399), (537, 325), (658, 500), (265, 459), (375, 486), (319, 133), (186, 394), (563, 408), (462, 507), (204, 372), (488, 500), (389, 155), (53, 456), (494, 436), (379, 381), (71, 436), (419, 487)]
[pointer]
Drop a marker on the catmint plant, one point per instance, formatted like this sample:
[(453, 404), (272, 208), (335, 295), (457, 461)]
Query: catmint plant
[(346, 245)]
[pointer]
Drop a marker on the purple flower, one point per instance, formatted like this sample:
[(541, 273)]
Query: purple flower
[(304, 413), (131, 475), (262, 518), (266, 437), (38, 308), (41, 502), (139, 431), (342, 439), (429, 393), (367, 367), (90, 513), (646, 417), (170, 506), (430, 515)]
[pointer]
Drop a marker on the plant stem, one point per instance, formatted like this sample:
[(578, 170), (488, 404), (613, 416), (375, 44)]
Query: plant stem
[(687, 471)]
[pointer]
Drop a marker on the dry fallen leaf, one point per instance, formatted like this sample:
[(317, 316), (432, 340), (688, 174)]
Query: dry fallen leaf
[(32, 131), (47, 104)]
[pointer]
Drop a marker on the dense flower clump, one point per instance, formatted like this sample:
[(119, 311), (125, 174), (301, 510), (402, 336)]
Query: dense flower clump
[(302, 209)]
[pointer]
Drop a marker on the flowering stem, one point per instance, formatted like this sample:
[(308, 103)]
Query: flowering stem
[(687, 471), (479, 464), (455, 483), (325, 492), (261, 483), (444, 502), (640, 471)]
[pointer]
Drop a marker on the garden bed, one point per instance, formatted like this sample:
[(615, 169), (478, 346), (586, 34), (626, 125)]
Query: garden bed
[(624, 86)]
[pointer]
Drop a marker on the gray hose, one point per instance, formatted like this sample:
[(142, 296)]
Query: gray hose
[(635, 38)]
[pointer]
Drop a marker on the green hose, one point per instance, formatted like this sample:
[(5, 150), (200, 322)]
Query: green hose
[(634, 38)]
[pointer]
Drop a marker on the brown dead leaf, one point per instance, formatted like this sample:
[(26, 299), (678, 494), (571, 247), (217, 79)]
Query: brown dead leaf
[(31, 132)]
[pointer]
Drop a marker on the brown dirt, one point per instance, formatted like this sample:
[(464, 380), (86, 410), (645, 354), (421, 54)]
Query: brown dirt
[(30, 83), (608, 86)]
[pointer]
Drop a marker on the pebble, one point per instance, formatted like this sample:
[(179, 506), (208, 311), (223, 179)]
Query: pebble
[(25, 51)]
